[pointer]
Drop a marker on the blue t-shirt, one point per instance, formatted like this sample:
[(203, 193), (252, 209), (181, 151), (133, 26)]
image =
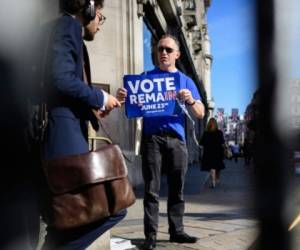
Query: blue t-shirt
[(154, 125)]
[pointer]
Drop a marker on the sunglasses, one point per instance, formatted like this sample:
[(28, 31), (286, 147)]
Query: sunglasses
[(167, 49)]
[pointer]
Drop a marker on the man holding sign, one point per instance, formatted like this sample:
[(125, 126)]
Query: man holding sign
[(163, 143)]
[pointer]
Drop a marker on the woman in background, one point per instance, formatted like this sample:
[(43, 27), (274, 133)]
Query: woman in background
[(213, 151)]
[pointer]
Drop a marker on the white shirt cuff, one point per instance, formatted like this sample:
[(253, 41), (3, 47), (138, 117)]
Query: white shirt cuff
[(105, 98)]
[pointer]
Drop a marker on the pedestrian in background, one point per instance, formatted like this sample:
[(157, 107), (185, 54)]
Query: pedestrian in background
[(227, 151), (235, 149), (72, 101), (213, 151), (247, 149)]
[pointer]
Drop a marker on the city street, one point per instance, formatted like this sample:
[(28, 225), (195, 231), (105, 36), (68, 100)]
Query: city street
[(222, 218)]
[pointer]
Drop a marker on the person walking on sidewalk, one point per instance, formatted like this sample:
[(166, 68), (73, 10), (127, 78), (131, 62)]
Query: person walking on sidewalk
[(164, 146), (213, 151), (247, 150), (235, 148)]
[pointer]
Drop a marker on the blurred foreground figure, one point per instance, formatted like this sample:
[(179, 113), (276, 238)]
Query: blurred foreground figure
[(71, 102), (19, 215)]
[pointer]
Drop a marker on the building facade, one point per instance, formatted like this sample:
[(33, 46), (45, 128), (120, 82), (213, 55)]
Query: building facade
[(118, 50)]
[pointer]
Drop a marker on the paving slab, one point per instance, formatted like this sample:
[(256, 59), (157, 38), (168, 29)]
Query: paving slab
[(221, 218)]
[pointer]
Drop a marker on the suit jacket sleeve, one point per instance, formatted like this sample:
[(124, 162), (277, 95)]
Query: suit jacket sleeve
[(67, 64)]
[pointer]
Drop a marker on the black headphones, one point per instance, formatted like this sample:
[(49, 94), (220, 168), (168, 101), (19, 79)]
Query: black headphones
[(89, 11)]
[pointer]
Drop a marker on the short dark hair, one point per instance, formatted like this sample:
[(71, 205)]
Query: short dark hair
[(74, 6), (172, 37)]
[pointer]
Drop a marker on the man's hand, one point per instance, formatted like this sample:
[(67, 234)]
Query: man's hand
[(121, 95), (112, 102), (196, 107), (186, 96)]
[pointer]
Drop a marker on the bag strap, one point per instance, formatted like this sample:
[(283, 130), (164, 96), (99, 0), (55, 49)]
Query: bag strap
[(105, 131), (107, 139), (184, 109)]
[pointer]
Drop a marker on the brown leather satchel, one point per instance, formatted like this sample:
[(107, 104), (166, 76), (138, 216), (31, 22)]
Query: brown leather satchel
[(87, 187)]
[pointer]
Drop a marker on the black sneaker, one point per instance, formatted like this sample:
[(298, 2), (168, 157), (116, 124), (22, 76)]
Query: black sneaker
[(183, 238), (150, 243)]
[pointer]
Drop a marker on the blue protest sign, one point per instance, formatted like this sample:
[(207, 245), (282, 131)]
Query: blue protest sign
[(151, 95)]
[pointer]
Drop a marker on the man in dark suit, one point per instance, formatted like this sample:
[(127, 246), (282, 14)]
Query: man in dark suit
[(72, 102)]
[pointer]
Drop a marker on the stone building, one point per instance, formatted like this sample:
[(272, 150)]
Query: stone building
[(118, 50)]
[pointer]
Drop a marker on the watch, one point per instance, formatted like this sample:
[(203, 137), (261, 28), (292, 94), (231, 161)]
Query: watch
[(191, 104)]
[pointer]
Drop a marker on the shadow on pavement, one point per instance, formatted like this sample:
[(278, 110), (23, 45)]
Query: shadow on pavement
[(231, 215), (160, 244)]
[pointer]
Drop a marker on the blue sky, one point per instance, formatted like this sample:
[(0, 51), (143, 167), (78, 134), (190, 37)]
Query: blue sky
[(148, 65), (231, 27)]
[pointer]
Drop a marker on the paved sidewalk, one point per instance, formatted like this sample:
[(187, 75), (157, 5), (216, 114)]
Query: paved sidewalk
[(222, 218)]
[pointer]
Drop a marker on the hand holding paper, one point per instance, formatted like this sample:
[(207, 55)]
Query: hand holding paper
[(112, 102), (121, 95)]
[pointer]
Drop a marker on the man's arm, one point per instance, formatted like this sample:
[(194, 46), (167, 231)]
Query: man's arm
[(196, 106), (64, 55)]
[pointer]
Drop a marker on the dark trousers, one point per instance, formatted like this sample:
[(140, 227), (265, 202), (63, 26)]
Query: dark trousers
[(168, 153), (236, 157), (80, 238)]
